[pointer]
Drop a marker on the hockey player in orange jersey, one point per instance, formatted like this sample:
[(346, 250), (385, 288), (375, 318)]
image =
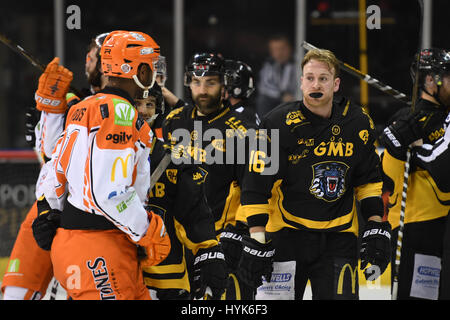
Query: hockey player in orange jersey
[(97, 181), (30, 270)]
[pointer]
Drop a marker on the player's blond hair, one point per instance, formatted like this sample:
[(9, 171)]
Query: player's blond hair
[(325, 56)]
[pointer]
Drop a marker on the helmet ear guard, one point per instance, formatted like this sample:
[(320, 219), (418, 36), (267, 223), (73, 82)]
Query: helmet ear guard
[(141, 85)]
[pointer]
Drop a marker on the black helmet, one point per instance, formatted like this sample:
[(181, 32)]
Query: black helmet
[(205, 64), (434, 62), (242, 83)]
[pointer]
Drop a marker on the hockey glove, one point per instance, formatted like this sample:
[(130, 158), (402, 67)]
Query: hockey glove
[(404, 131), (256, 261), (375, 248), (231, 239), (45, 225), (209, 272), (53, 86), (156, 242), (31, 120)]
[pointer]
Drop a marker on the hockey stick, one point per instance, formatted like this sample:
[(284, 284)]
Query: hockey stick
[(163, 164), (35, 62), (407, 168), (21, 51), (367, 78)]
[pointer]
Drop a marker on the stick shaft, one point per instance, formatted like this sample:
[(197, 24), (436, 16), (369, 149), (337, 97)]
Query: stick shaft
[(18, 49), (367, 78), (35, 62)]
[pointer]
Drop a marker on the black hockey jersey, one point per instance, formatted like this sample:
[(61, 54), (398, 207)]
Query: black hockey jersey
[(179, 197), (424, 200), (324, 166), (435, 158), (247, 112), (218, 143)]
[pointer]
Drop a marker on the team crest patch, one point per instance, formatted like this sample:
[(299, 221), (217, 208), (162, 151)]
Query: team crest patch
[(328, 180), (200, 175)]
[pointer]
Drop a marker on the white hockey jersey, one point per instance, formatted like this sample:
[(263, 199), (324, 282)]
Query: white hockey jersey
[(101, 162)]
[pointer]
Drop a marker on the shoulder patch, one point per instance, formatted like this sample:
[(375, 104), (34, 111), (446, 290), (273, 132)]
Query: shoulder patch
[(104, 110), (139, 122), (124, 112)]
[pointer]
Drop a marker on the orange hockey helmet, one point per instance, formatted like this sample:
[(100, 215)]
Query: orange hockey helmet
[(123, 51)]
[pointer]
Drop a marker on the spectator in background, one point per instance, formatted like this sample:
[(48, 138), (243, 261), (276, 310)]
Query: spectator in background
[(277, 77)]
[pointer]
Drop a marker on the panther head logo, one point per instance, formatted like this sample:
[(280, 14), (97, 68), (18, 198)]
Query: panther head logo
[(328, 180)]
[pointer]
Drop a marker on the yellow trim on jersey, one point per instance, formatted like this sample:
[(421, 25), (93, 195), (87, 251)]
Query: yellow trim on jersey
[(168, 283), (254, 209), (423, 199), (276, 221), (169, 268), (181, 234), (231, 207), (182, 283), (220, 115), (369, 190)]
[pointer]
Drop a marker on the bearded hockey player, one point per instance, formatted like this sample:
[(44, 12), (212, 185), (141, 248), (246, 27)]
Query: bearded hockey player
[(213, 135), (179, 197)]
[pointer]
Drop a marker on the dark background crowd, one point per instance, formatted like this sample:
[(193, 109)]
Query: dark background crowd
[(239, 29)]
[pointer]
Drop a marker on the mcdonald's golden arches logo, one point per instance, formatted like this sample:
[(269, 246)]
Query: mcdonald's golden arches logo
[(124, 164), (353, 274)]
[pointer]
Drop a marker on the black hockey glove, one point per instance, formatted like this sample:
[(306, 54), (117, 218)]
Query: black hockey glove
[(31, 120), (256, 261), (404, 131), (230, 239), (45, 225), (209, 272), (375, 248)]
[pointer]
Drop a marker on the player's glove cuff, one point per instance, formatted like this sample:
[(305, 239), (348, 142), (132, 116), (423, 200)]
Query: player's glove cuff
[(231, 240), (256, 261), (44, 228), (155, 242), (375, 248), (404, 131), (209, 272)]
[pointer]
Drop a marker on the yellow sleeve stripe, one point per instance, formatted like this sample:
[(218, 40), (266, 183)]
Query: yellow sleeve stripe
[(181, 234), (369, 190), (255, 209)]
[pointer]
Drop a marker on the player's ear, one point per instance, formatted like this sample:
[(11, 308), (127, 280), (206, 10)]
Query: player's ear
[(337, 82)]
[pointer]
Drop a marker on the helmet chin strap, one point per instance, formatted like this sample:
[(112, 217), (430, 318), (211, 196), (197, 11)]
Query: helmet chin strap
[(437, 80), (145, 88)]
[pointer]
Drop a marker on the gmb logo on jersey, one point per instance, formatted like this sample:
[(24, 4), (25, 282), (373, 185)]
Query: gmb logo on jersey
[(328, 180)]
